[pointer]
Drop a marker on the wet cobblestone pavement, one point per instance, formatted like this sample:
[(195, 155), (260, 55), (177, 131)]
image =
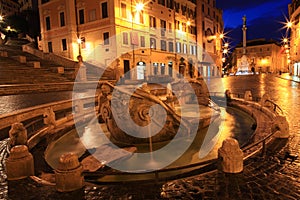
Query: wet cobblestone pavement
[(268, 177)]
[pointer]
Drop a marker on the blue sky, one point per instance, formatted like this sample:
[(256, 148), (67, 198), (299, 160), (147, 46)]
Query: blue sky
[(264, 18)]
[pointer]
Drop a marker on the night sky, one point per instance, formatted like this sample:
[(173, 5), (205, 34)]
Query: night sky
[(264, 18)]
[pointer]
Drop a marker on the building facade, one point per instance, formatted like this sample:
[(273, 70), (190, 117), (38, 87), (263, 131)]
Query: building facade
[(263, 56), (136, 39), (294, 56), (9, 7)]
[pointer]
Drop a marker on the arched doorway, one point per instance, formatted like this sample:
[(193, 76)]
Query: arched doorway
[(140, 69)]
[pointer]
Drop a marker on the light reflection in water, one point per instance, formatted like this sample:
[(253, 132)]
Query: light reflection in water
[(234, 123)]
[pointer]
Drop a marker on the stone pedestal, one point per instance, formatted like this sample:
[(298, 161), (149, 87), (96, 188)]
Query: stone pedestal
[(18, 134), (68, 174), (231, 156), (20, 163)]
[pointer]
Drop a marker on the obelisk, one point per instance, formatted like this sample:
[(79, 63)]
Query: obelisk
[(243, 65)]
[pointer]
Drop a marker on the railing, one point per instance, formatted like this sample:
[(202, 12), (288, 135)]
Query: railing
[(33, 118)]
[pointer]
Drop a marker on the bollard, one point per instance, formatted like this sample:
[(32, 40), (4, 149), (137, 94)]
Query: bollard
[(18, 134), (280, 127), (68, 174), (19, 164), (248, 95), (231, 156)]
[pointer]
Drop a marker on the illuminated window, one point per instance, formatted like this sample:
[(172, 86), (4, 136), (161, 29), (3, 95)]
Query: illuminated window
[(184, 48), (177, 23), (123, 10), (152, 43), (125, 38), (62, 19), (178, 47), (48, 25), (152, 22), (170, 27), (104, 10), (106, 38)]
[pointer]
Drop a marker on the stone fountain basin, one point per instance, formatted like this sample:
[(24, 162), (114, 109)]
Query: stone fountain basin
[(233, 123)]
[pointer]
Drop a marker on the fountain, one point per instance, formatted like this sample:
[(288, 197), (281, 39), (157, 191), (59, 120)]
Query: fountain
[(148, 127)]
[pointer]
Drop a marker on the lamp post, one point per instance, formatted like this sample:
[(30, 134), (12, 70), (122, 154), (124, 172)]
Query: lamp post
[(79, 46)]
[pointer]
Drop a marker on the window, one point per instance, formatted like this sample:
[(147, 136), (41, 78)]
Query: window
[(184, 48), (152, 22), (106, 38), (170, 4), (62, 19), (171, 47), (203, 8), (123, 10), (184, 27), (162, 2), (141, 14), (45, 1), (81, 16), (125, 38), (143, 41), (170, 27), (104, 10), (64, 44), (177, 24), (203, 25), (50, 47), (163, 26), (163, 45), (92, 15), (48, 26), (178, 47), (152, 43)]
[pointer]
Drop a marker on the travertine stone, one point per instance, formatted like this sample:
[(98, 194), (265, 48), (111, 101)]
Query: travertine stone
[(248, 95), (231, 156), (20, 163), (68, 174), (49, 117), (18, 134), (281, 127), (264, 101)]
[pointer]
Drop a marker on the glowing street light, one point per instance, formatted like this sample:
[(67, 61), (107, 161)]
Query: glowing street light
[(289, 24), (79, 41), (221, 35), (285, 40), (1, 18), (8, 28), (188, 23), (139, 6)]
